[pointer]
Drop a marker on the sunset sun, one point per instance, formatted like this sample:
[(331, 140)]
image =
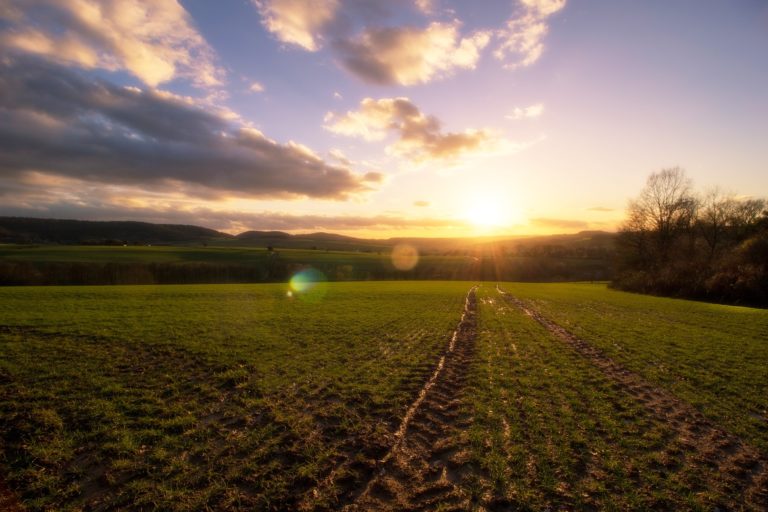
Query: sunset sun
[(486, 215)]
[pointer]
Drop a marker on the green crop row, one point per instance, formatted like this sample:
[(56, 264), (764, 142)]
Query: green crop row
[(551, 431), (187, 397), (713, 356)]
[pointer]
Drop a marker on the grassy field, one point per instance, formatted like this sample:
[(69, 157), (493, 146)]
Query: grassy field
[(84, 265), (194, 396), (251, 397), (552, 431), (713, 356)]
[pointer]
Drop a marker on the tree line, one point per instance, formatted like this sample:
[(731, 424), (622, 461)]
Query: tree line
[(677, 242)]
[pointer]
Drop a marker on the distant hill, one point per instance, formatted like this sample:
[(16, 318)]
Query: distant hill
[(59, 231), (326, 241), (591, 244)]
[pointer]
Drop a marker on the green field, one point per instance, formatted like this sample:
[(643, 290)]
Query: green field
[(251, 397), (86, 265)]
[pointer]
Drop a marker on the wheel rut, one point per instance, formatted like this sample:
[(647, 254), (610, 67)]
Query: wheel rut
[(742, 469), (425, 463)]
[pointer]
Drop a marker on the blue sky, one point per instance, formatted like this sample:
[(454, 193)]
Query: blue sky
[(427, 118)]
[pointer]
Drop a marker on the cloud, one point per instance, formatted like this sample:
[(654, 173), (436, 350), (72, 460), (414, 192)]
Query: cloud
[(154, 40), (600, 209), (425, 6), (559, 223), (233, 221), (419, 137), (421, 204), (298, 22), (256, 87), (530, 112), (522, 40), (404, 55), (57, 122), (408, 55)]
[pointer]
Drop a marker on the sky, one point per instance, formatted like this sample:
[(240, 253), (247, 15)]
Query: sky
[(376, 118)]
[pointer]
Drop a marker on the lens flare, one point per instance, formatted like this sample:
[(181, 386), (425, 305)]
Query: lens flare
[(405, 257), (309, 284)]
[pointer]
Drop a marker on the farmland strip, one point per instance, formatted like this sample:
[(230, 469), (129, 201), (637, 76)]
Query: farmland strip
[(745, 469), (421, 468)]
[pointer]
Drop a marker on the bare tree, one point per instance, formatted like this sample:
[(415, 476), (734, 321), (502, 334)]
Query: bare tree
[(715, 216), (665, 209)]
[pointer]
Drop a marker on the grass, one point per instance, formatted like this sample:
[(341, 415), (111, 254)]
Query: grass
[(186, 397), (551, 431), (243, 397), (713, 356)]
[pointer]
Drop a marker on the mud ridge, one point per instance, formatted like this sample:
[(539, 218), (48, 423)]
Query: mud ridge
[(422, 468), (742, 470)]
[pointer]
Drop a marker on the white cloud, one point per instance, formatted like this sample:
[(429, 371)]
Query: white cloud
[(298, 22), (522, 40), (353, 29), (154, 40), (530, 112), (256, 87), (408, 55), (419, 137), (425, 6)]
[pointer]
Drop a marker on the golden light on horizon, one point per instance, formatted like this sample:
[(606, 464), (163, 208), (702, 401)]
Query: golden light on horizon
[(490, 211)]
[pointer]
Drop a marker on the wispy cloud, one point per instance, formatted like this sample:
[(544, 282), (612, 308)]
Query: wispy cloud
[(55, 121), (559, 223), (256, 87), (419, 136), (522, 40), (154, 40), (99, 207), (298, 22), (530, 112), (601, 209)]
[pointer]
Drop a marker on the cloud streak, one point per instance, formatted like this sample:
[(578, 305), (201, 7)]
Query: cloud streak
[(232, 221), (529, 112), (154, 40), (559, 223), (419, 137), (57, 122), (522, 39)]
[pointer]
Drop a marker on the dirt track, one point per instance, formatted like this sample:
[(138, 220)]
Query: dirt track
[(421, 470), (741, 470)]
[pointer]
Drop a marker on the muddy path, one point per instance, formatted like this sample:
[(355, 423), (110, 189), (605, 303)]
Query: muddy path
[(422, 469), (742, 471)]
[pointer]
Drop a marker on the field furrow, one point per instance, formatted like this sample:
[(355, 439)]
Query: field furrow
[(209, 397), (741, 469), (421, 469), (552, 430), (379, 396)]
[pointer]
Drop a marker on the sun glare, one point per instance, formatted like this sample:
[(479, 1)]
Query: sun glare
[(490, 211), (486, 215)]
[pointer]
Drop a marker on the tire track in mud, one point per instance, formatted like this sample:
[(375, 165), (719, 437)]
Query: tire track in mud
[(424, 465), (741, 469)]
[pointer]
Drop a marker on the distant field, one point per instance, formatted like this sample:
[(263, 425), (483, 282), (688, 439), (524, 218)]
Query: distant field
[(82, 265), (172, 254), (248, 397)]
